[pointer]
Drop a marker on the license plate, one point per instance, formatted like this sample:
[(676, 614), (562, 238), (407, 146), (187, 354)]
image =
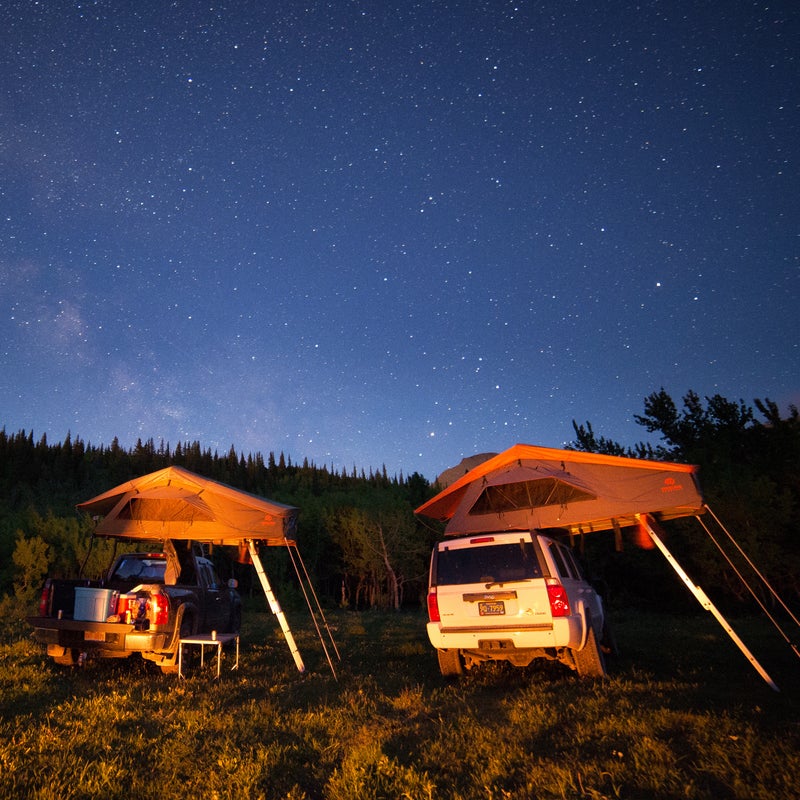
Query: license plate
[(493, 609), (94, 636)]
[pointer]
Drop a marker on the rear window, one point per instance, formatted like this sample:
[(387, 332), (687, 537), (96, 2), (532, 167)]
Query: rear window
[(497, 563), (145, 570)]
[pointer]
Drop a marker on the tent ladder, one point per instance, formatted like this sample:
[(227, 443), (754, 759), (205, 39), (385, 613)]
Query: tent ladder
[(701, 597), (273, 604), (297, 562)]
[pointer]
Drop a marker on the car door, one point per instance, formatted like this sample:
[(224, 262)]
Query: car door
[(579, 590), (216, 597)]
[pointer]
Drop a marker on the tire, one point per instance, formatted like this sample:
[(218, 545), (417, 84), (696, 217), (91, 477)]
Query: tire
[(589, 661), (450, 663), (186, 627)]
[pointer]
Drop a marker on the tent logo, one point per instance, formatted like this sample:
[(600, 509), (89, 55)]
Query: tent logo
[(671, 486)]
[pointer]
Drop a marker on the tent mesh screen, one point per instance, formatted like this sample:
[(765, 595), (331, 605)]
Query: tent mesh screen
[(528, 494)]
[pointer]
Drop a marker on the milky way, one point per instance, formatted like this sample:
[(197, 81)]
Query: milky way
[(393, 234)]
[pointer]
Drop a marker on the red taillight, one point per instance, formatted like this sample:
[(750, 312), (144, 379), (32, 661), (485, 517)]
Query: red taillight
[(482, 540), (433, 606), (44, 600), (158, 609), (559, 602)]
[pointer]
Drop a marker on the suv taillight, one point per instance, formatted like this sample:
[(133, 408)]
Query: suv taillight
[(557, 594), (433, 606), (158, 609), (44, 600)]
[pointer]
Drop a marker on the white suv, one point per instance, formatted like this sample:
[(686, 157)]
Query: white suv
[(514, 597)]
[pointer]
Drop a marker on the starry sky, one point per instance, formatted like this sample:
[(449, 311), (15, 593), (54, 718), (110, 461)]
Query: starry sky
[(393, 233)]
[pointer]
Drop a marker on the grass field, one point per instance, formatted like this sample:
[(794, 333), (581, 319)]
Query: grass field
[(683, 715)]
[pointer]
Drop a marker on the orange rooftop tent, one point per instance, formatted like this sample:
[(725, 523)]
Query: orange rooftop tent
[(527, 487)]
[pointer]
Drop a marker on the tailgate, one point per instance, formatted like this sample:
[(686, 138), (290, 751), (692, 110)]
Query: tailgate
[(521, 605)]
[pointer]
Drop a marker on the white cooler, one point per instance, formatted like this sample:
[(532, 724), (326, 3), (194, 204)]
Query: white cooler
[(93, 605)]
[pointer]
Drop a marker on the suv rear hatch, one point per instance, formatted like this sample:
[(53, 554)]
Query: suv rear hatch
[(491, 582)]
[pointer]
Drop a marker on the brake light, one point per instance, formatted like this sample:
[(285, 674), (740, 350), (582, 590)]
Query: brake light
[(482, 540), (433, 606), (44, 600), (158, 609), (559, 602)]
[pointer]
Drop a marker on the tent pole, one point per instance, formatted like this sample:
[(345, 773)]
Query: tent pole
[(702, 598), (311, 611), (274, 606)]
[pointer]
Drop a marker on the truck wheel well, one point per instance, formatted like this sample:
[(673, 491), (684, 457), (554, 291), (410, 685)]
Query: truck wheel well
[(187, 621)]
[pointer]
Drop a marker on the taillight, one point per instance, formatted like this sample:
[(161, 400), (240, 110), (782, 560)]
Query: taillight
[(44, 600), (433, 606), (559, 602), (158, 609)]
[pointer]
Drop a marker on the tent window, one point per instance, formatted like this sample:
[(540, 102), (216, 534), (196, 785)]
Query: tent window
[(145, 508), (528, 494), (158, 509)]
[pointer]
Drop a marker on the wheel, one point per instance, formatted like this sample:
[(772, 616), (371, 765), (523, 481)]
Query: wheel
[(186, 628), (589, 661), (450, 663)]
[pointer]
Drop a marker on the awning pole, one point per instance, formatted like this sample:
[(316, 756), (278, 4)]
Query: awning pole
[(703, 599), (274, 606)]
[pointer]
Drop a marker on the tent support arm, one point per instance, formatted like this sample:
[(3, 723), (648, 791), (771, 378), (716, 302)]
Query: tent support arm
[(701, 597), (274, 606)]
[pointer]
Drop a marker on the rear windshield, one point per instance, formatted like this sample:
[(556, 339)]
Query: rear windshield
[(144, 570), (497, 563)]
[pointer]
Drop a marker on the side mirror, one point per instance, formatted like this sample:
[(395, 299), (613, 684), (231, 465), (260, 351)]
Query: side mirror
[(233, 583)]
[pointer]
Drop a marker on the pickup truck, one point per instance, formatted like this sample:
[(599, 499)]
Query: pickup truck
[(146, 603)]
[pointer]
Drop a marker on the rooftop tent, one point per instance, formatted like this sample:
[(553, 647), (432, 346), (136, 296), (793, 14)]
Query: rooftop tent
[(527, 487), (174, 503)]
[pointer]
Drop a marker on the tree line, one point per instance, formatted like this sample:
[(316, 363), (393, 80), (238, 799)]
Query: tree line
[(358, 536), (749, 470), (357, 532)]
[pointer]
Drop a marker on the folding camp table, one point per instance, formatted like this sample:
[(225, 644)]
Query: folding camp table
[(207, 639)]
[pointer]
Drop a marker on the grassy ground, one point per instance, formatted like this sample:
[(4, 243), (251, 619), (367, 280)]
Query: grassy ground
[(683, 715)]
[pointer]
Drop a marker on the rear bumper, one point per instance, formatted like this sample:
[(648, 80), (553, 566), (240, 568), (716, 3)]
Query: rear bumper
[(111, 638), (559, 632)]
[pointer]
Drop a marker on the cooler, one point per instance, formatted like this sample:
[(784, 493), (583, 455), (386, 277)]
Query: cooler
[(93, 605)]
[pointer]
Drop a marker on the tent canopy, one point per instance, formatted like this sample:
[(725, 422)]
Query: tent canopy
[(528, 487), (174, 503)]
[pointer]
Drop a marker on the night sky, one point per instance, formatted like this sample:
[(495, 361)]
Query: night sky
[(397, 234)]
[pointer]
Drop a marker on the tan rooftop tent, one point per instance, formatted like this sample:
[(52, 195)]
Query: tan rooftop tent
[(174, 503), (528, 487), (534, 488)]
